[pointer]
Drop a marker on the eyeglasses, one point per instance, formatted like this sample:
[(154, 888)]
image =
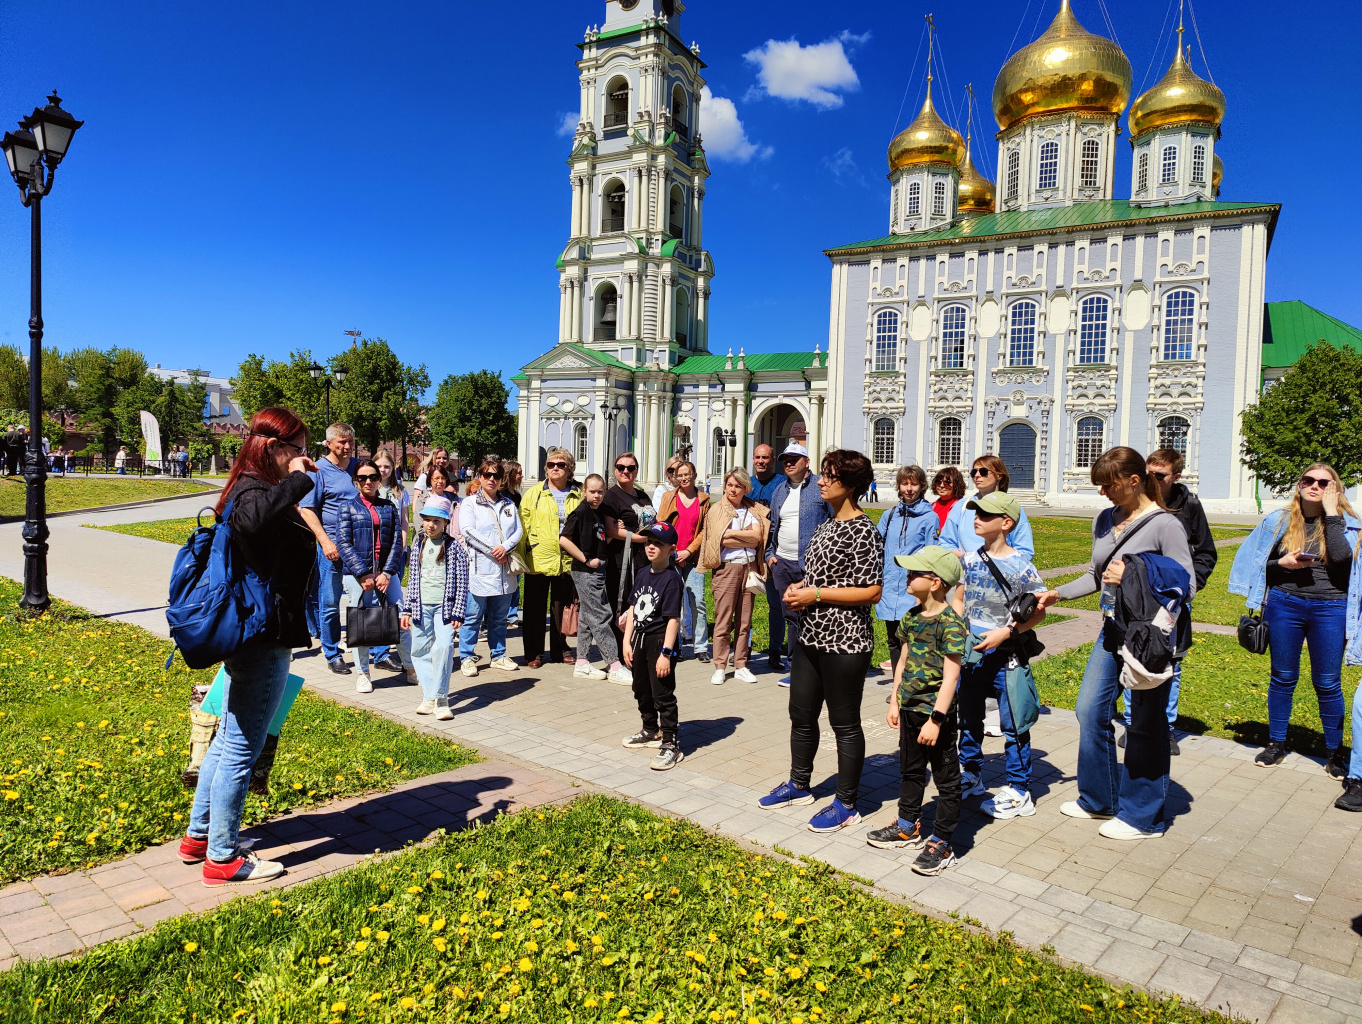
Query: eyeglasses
[(980, 471), (367, 476), (1316, 481), (555, 465), (624, 467)]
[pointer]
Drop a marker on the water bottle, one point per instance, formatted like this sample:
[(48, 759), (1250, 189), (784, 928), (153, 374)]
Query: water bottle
[(1107, 602)]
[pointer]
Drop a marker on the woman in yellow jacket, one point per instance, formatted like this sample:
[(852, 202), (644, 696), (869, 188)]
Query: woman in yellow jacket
[(543, 510)]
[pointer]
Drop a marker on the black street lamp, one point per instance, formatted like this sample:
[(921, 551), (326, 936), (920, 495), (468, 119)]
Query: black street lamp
[(33, 153), (317, 372)]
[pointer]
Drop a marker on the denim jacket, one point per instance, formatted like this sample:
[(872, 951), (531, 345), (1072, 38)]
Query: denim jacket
[(355, 538), (813, 512), (906, 530)]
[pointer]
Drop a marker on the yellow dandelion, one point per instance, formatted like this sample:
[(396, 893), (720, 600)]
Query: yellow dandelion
[(408, 1003), (413, 888), (11, 794), (382, 936), (440, 944), (190, 947), (505, 1008), (361, 946), (338, 1007), (496, 936), (423, 919), (437, 874), (526, 965), (366, 931), (532, 947), (590, 1003), (439, 925), (322, 961)]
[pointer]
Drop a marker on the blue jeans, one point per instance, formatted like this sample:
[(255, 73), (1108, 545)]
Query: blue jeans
[(494, 609), (1136, 790), (1355, 764), (1291, 622), (329, 585), (694, 614), (977, 683), (432, 652), (1172, 696), (256, 678)]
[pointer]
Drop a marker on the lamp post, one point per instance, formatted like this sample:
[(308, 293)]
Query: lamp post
[(319, 373), (32, 154)]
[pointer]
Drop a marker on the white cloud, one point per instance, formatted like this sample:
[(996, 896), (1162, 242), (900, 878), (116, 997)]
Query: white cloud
[(842, 165), (819, 73), (725, 136), (568, 124)]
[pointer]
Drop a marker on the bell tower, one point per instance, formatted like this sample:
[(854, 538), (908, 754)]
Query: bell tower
[(634, 276)]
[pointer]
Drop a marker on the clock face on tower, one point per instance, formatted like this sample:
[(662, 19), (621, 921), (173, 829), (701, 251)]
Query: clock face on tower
[(628, 5)]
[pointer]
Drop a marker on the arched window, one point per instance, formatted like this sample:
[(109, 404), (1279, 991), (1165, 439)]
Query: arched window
[(1021, 335), (949, 442), (606, 313), (953, 338), (887, 340), (1142, 181), (883, 448), (1088, 444), (1092, 329), (1199, 163), (914, 199), (1169, 173), (680, 122), (579, 445), (676, 213), (1179, 325), (612, 210), (1088, 168), (617, 103), (939, 199), (1048, 176), (681, 317), (1013, 174), (1173, 433)]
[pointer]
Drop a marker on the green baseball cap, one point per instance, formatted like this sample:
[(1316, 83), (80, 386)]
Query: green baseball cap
[(999, 503), (933, 559)]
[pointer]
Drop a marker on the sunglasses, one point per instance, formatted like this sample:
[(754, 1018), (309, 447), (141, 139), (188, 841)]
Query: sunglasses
[(1316, 481), (367, 476), (988, 517), (1159, 476), (917, 574), (621, 467), (981, 472), (555, 465), (490, 476)]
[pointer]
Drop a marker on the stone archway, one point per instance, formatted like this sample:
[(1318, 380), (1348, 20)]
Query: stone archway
[(777, 425)]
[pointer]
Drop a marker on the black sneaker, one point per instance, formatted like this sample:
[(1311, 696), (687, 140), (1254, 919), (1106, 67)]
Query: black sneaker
[(1351, 800), (1173, 749), (643, 738), (668, 756), (935, 858), (338, 666), (1336, 767), (892, 837), (1272, 755), (703, 657), (1121, 739)]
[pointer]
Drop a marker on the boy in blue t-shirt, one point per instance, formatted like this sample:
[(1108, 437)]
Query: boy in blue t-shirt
[(651, 626)]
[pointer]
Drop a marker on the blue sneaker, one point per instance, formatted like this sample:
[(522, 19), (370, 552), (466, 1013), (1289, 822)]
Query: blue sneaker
[(787, 794), (834, 816)]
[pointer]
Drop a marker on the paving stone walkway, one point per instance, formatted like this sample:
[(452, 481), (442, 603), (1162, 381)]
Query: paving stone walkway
[(1250, 904)]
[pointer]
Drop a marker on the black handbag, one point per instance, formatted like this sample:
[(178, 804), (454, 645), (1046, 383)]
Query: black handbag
[(1020, 608), (1253, 634), (376, 626)]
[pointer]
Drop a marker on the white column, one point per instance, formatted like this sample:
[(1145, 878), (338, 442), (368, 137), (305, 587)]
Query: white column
[(667, 301), (523, 425), (598, 445), (576, 206), (697, 216), (741, 454), (816, 432), (586, 205), (575, 316), (622, 303), (640, 439), (562, 310), (531, 460), (655, 438)]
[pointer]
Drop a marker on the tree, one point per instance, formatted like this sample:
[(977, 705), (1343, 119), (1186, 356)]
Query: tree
[(378, 392), (1312, 414), (471, 418), (13, 379), (259, 385)]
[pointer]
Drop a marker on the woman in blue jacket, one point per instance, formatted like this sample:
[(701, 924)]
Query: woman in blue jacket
[(369, 536), (1298, 567), (907, 528)]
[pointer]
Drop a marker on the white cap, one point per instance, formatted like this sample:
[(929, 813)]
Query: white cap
[(796, 449)]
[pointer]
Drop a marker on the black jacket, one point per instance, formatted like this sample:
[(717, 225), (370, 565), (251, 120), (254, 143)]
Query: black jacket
[(1187, 507), (277, 544)]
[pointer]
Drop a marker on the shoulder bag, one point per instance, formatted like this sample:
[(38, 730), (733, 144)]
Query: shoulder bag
[(755, 583), (373, 626), (1253, 632), (515, 565), (1020, 608)]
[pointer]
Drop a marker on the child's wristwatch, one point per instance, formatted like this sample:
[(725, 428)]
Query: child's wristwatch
[(668, 652), (938, 717)]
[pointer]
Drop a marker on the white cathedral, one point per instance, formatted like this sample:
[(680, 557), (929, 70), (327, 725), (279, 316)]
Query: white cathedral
[(1044, 320)]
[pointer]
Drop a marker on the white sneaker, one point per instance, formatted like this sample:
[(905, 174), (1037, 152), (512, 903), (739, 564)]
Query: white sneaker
[(1072, 809), (718, 677), (444, 713), (469, 667), (1115, 828), (993, 730), (504, 664), (971, 785), (744, 675), (1009, 803), (362, 684), (426, 707), (622, 676), (584, 670)]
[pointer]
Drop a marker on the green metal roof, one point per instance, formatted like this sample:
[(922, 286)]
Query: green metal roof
[(754, 362), (1081, 216), (592, 357), (669, 246), (1292, 327)]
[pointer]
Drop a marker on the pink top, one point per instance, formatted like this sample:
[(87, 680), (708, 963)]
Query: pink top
[(378, 540), (687, 520)]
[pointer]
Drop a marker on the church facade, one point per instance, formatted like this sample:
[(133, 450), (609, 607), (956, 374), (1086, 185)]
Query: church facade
[(1042, 319)]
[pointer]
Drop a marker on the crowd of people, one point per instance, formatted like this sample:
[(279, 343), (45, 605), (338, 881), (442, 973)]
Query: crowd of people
[(617, 578)]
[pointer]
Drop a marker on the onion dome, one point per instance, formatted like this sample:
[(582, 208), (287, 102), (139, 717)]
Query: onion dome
[(1217, 174), (928, 140), (1066, 69), (975, 193), (1181, 97)]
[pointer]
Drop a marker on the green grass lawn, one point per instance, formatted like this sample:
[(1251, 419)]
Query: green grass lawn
[(172, 531), (64, 495), (95, 733), (1224, 692), (591, 913), (1215, 604)]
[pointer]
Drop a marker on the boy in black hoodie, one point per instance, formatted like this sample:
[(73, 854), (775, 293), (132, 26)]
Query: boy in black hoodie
[(1165, 466)]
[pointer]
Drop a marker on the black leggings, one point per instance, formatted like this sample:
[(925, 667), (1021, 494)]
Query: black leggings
[(838, 680)]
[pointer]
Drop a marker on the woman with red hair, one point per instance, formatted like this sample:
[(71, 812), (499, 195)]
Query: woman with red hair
[(259, 503)]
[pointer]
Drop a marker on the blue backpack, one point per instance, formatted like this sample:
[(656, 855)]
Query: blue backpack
[(217, 603)]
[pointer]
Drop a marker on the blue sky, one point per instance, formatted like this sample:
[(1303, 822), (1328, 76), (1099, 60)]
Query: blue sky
[(259, 177)]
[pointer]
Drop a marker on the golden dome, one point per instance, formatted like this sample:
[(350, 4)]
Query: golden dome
[(1067, 68), (1217, 174), (1180, 97), (975, 193), (928, 140)]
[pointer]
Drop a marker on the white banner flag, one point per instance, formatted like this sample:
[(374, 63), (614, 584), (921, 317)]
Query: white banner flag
[(151, 434)]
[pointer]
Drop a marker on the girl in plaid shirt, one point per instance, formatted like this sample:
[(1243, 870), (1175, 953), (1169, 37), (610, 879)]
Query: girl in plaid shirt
[(432, 605)]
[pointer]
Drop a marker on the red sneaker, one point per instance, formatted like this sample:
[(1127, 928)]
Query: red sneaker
[(194, 850), (246, 867)]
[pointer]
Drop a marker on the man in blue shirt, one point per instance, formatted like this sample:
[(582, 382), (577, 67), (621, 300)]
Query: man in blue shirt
[(765, 479), (333, 489)]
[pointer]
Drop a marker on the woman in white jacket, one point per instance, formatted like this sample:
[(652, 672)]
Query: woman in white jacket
[(491, 529)]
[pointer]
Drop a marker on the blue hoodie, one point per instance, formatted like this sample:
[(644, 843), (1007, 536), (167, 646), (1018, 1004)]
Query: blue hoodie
[(906, 529)]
